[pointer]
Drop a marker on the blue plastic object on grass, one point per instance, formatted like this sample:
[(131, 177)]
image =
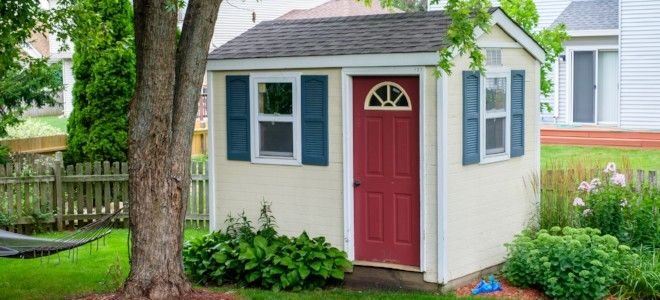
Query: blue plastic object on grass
[(487, 287)]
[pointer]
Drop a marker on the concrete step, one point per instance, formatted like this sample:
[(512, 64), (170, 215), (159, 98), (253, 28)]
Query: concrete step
[(376, 278)]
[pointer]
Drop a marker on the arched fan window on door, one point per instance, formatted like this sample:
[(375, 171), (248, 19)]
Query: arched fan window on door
[(387, 96)]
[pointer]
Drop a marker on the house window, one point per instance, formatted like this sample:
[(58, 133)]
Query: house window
[(387, 96), (275, 102), (493, 57), (495, 117)]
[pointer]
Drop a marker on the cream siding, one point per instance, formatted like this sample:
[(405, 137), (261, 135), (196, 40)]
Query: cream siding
[(640, 64), (488, 204), (303, 197)]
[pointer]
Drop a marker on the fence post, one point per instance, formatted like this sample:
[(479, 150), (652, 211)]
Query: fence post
[(57, 171)]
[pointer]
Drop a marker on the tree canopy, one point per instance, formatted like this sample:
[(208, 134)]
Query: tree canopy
[(24, 81)]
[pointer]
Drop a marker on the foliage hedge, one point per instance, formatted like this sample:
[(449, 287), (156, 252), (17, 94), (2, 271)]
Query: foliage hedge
[(104, 70), (263, 258), (567, 263)]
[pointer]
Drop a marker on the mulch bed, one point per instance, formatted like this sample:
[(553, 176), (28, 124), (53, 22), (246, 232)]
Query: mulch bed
[(198, 294), (508, 291)]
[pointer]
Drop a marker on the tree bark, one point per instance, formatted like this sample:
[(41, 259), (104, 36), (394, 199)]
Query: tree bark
[(161, 123)]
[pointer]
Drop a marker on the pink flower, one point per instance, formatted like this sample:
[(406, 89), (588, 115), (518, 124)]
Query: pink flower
[(611, 168), (585, 186), (586, 212), (578, 202), (596, 182), (619, 179)]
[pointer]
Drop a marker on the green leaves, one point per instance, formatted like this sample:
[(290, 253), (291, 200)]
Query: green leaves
[(566, 263), (262, 258), (104, 70)]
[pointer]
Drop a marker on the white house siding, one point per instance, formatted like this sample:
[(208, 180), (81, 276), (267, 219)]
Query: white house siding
[(488, 204), (235, 16), (640, 64), (548, 10)]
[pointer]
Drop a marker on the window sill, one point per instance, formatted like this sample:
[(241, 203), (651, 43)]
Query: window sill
[(494, 158), (276, 161)]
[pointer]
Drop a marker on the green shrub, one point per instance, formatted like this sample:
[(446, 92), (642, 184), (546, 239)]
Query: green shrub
[(104, 72), (567, 263), (641, 279), (263, 258), (29, 128)]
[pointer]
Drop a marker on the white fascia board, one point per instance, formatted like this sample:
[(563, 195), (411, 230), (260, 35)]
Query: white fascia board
[(336, 61), (517, 33), (602, 32)]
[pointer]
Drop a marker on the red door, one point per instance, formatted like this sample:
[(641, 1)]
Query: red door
[(386, 169)]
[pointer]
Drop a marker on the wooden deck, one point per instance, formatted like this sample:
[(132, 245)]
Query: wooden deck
[(600, 136)]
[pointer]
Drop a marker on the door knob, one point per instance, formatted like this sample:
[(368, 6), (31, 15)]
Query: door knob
[(356, 183)]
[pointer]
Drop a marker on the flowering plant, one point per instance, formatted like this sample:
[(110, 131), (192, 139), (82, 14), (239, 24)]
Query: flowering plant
[(609, 204)]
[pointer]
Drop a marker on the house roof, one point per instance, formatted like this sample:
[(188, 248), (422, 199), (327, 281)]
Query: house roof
[(338, 8), (590, 15)]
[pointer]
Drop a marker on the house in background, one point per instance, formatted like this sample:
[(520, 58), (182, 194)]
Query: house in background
[(608, 77), (342, 126)]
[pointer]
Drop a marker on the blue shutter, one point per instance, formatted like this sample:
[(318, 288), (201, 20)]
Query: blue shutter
[(517, 113), (238, 118), (314, 98), (471, 117)]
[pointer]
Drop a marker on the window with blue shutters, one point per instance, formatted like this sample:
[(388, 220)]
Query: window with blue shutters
[(278, 119), (493, 115)]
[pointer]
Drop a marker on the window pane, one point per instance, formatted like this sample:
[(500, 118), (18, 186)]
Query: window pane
[(275, 98), (495, 135), (496, 94), (276, 139)]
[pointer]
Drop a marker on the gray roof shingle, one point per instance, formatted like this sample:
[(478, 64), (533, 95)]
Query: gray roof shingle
[(590, 15), (371, 34)]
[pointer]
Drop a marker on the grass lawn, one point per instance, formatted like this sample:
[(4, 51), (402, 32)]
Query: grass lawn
[(644, 159), (100, 271), (55, 121), (104, 271)]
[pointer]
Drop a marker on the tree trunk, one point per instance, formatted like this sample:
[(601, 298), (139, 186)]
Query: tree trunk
[(161, 122)]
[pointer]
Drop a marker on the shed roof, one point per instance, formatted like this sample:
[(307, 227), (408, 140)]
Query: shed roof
[(590, 15), (368, 34)]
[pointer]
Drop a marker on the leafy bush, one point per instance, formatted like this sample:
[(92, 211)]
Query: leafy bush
[(567, 263), (641, 279), (263, 258), (615, 208)]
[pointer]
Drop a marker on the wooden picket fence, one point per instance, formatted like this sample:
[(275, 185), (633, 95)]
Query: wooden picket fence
[(47, 195)]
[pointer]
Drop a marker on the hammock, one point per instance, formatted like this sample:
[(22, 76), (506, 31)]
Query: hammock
[(13, 245)]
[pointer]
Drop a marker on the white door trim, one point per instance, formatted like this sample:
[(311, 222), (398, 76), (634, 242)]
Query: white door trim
[(569, 51), (442, 101), (347, 125)]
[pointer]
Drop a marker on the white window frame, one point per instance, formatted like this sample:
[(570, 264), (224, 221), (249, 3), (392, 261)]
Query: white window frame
[(490, 158), (256, 117)]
